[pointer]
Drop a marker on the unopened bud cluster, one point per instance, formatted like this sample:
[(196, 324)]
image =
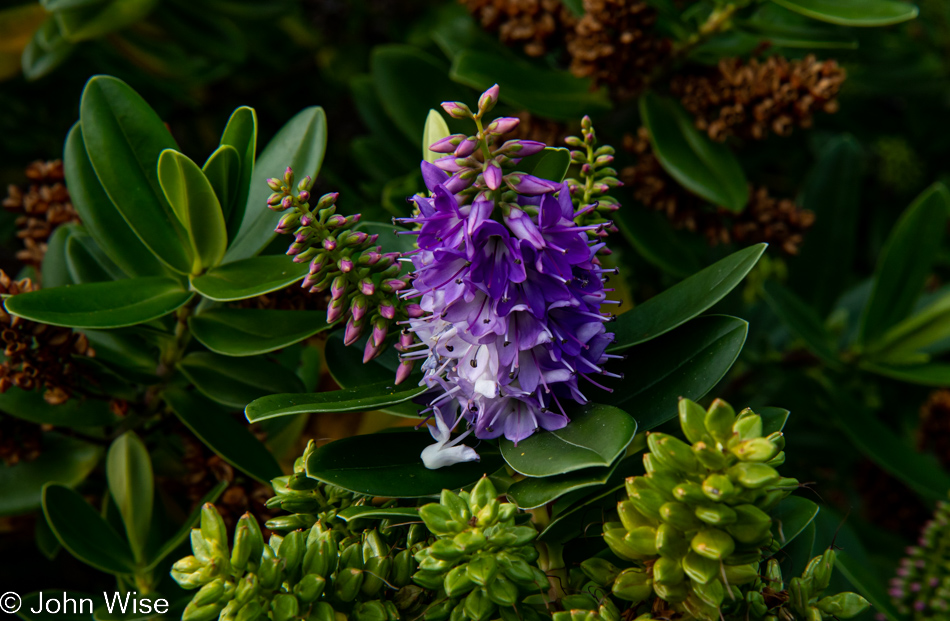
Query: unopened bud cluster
[(319, 573), (698, 520), (595, 179), (307, 500), (921, 588), (482, 564), (363, 281)]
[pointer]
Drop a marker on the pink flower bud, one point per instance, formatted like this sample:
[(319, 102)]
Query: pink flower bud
[(338, 288), (530, 185), (289, 176), (330, 244), (467, 147), (303, 197), (335, 310), (492, 175), (404, 371), (396, 284), (287, 202), (305, 183), (367, 287), (358, 307), (353, 331), (306, 220), (380, 329), (274, 184), (450, 163), (405, 340), (371, 351), (521, 148), (414, 311), (387, 310), (327, 199), (316, 266), (456, 109), (336, 221), (345, 265), (502, 125), (447, 144), (488, 99)]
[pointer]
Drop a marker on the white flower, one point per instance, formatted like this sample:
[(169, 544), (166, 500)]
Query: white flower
[(445, 452)]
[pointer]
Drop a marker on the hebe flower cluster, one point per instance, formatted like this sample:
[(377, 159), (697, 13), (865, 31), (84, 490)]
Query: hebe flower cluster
[(508, 296), (363, 281), (921, 588)]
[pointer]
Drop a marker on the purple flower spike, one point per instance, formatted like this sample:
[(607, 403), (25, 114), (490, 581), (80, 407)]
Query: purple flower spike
[(493, 175), (530, 185)]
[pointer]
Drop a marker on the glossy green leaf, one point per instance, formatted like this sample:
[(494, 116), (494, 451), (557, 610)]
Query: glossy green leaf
[(361, 399), (235, 382), (123, 138), (651, 235), (551, 164), (54, 269), (195, 203), (802, 321), (533, 492), (391, 237), (686, 362), (435, 129), (84, 533), (684, 300), (251, 331), (83, 23), (46, 541), (229, 439), (103, 304), (853, 12), (222, 169), (906, 261), (773, 419), (46, 51), (129, 474), (784, 28), (389, 464), (595, 437), (921, 472), (345, 363), (375, 513), (925, 328), (299, 144), (86, 262), (241, 133), (791, 517), (550, 94), (706, 168), (936, 374), (75, 413), (185, 529), (63, 460), (249, 278), (99, 215), (867, 584), (833, 192)]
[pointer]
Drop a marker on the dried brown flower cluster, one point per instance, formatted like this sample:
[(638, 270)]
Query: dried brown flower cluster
[(537, 25), (765, 219), (38, 356), (756, 98), (20, 440), (614, 44), (43, 204)]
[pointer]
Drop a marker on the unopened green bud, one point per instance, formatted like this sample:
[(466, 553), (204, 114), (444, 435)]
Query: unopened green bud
[(600, 570), (699, 568), (310, 588), (503, 592), (679, 515), (209, 593), (348, 583), (403, 566), (376, 570), (478, 605), (194, 612), (516, 568), (370, 611), (671, 542), (352, 556), (633, 585), (482, 569), (483, 493), (668, 571), (674, 594), (718, 487), (748, 425), (710, 456), (716, 514), (719, 420), (647, 502), (712, 593), (692, 420), (756, 450), (249, 611), (713, 543), (373, 545), (438, 519), (689, 492), (630, 517), (741, 574), (247, 588), (291, 550), (446, 550), (672, 453), (458, 582), (751, 524), (843, 605), (284, 607), (752, 475), (457, 506), (799, 594)]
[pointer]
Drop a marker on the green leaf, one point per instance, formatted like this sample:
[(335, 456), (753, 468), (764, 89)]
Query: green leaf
[(389, 464), (86, 262), (551, 164), (223, 171), (64, 460), (833, 192), (195, 203), (784, 28), (395, 70), (46, 51), (532, 492), (706, 168), (129, 474), (100, 216), (435, 130), (83, 23), (374, 513), (936, 374), (346, 366), (551, 94), (240, 133), (906, 261), (791, 517), (802, 321), (55, 269), (595, 437), (684, 300), (185, 529), (392, 238), (919, 331), (853, 12), (123, 138), (773, 419), (650, 233), (249, 278), (250, 331), (867, 584), (102, 304), (229, 439), (361, 399), (300, 144), (686, 362), (921, 472), (84, 533), (235, 382), (75, 413)]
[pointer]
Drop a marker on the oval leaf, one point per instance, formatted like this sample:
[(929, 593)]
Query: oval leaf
[(435, 129), (241, 133), (596, 436), (706, 168), (551, 164), (223, 171), (802, 321), (534, 492), (792, 516), (248, 278), (853, 12), (361, 399), (103, 304), (251, 331), (75, 413), (129, 474), (389, 464), (235, 382)]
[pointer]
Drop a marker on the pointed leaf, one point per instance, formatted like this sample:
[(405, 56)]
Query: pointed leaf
[(684, 300), (532, 492), (928, 326), (435, 129), (241, 133), (83, 23), (64, 460), (223, 171), (248, 278), (596, 436), (75, 413), (235, 382), (551, 164), (936, 374), (299, 144), (123, 138), (802, 321), (86, 262), (792, 516), (784, 28), (773, 419), (853, 12), (129, 474), (250, 331), (55, 269), (46, 51), (362, 399)]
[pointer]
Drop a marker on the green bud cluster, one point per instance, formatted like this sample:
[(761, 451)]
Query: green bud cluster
[(364, 282), (596, 178), (921, 588), (481, 563), (803, 600), (307, 500), (697, 522), (584, 607), (321, 574)]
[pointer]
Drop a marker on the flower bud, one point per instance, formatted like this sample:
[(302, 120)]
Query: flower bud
[(457, 109), (520, 148), (447, 144), (387, 310), (843, 605), (467, 147), (713, 543), (633, 585), (716, 514), (404, 371), (366, 286), (502, 125), (488, 99), (338, 288), (335, 310), (327, 200), (310, 587), (371, 350), (492, 175), (719, 420), (353, 331), (699, 568), (529, 185), (287, 223)]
